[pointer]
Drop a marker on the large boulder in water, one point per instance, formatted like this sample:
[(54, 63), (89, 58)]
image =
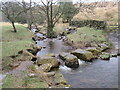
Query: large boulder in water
[(44, 60), (83, 54), (70, 60)]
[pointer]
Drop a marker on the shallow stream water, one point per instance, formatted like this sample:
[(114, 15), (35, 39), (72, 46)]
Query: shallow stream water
[(96, 74)]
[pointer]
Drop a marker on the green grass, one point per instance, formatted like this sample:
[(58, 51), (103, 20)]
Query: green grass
[(14, 42), (11, 82), (35, 82), (86, 34), (11, 48), (27, 82), (22, 33)]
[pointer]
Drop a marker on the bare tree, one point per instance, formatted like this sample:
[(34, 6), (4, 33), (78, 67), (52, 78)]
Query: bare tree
[(52, 11), (11, 10), (27, 8)]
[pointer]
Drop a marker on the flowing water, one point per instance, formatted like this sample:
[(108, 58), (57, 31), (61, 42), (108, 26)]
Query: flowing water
[(96, 74), (55, 46)]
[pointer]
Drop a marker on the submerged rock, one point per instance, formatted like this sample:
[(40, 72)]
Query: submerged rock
[(70, 60), (44, 60), (83, 54), (105, 56)]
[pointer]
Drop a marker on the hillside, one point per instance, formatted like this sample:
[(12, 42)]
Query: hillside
[(107, 11)]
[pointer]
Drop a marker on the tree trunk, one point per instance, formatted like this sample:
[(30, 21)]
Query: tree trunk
[(50, 32), (14, 27)]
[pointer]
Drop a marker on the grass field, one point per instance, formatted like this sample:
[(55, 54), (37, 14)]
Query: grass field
[(86, 34), (14, 42)]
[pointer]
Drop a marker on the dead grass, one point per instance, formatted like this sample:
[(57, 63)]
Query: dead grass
[(108, 13)]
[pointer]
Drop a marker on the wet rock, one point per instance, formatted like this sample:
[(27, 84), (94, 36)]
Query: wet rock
[(47, 59), (93, 50), (105, 56), (46, 67), (83, 54), (70, 60)]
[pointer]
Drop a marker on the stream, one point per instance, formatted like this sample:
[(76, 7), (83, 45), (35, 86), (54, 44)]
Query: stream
[(96, 74)]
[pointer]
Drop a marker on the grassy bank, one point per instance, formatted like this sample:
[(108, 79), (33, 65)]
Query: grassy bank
[(12, 42), (86, 35)]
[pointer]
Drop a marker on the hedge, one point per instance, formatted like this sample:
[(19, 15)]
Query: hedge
[(91, 23)]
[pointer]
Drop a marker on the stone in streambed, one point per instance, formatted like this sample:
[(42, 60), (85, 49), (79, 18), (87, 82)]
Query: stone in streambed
[(47, 59), (70, 60), (83, 54)]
